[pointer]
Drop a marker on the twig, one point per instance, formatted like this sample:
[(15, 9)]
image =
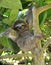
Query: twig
[(5, 49), (2, 49)]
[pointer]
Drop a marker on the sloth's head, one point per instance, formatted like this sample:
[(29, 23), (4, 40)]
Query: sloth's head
[(20, 26)]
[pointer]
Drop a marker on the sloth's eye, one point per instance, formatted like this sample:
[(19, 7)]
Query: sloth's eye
[(19, 27)]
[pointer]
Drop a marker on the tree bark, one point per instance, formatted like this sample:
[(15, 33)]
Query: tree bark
[(38, 58)]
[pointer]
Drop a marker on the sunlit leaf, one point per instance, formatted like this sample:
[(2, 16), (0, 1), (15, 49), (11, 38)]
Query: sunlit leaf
[(11, 4)]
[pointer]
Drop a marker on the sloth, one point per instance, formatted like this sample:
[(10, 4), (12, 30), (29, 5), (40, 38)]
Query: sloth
[(23, 37), (25, 40)]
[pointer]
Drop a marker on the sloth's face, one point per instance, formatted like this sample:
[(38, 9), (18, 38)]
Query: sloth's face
[(20, 26)]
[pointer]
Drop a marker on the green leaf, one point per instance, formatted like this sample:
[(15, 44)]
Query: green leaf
[(14, 6), (11, 4), (40, 3), (7, 13), (28, 0), (48, 1), (44, 18), (12, 17), (14, 46), (2, 27), (48, 13), (6, 42)]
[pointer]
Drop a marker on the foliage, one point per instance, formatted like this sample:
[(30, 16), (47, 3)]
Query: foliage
[(8, 14)]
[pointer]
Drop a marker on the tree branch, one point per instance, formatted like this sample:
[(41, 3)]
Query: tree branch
[(43, 8), (15, 56), (35, 21), (5, 49), (36, 27)]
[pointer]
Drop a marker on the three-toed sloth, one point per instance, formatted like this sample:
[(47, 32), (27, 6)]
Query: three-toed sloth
[(25, 40), (22, 35)]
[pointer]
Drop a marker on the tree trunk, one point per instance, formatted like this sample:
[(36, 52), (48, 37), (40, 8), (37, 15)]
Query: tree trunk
[(38, 59), (38, 56)]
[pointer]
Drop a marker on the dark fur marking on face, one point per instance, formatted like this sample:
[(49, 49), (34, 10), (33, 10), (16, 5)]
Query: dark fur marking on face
[(20, 25)]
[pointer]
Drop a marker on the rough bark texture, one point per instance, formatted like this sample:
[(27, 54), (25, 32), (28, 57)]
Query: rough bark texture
[(38, 55)]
